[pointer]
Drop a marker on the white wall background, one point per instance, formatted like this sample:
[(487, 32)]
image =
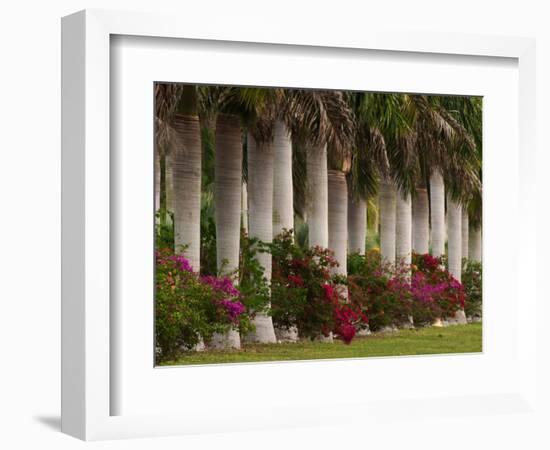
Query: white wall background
[(30, 221)]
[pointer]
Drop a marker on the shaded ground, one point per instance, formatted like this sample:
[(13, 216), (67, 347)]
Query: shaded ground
[(453, 339)]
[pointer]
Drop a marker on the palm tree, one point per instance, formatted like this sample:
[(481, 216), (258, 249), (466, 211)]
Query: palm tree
[(166, 98), (318, 119), (454, 230), (465, 233), (338, 218), (227, 199), (382, 129), (474, 223), (388, 216), (186, 168), (403, 245), (462, 169), (357, 224), (474, 247), (283, 210), (317, 196), (369, 162), (421, 224), (179, 156), (244, 207), (260, 207), (437, 212), (445, 153), (339, 163)]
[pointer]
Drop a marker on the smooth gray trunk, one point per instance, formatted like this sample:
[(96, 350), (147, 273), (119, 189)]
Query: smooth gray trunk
[(227, 200), (170, 201), (357, 224), (421, 222), (465, 233), (387, 200), (157, 180), (186, 169), (283, 200), (475, 244), (454, 248), (454, 245), (260, 204), (403, 245), (244, 207), (338, 218), (437, 211), (317, 196)]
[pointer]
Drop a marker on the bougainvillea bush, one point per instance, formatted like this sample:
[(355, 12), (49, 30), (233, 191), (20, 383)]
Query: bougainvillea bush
[(189, 308), (423, 291), (383, 291), (305, 294), (434, 289)]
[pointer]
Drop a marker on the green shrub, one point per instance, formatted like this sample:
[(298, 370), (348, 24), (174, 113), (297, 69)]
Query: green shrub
[(473, 289), (253, 285), (164, 230)]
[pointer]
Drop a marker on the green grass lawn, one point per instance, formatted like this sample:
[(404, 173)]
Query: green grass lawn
[(424, 341)]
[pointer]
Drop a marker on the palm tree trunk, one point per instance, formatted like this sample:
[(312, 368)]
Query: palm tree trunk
[(244, 207), (170, 204), (283, 203), (260, 200), (283, 199), (186, 169), (338, 219), (157, 180), (474, 244), (403, 245), (162, 207), (437, 193), (465, 233), (357, 224), (454, 245), (317, 196), (421, 221), (387, 196), (227, 200)]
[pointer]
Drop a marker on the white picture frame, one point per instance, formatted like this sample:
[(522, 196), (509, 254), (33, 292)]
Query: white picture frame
[(87, 353)]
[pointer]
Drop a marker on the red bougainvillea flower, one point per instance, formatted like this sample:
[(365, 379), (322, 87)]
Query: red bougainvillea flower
[(296, 280), (431, 262), (329, 291), (347, 332)]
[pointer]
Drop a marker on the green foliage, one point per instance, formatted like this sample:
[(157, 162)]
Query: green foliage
[(253, 284), (208, 245), (472, 282), (164, 230)]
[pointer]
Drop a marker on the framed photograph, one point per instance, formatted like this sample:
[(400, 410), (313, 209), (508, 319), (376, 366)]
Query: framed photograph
[(250, 215)]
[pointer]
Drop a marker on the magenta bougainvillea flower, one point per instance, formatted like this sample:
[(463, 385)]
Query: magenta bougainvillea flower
[(223, 284), (233, 308)]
